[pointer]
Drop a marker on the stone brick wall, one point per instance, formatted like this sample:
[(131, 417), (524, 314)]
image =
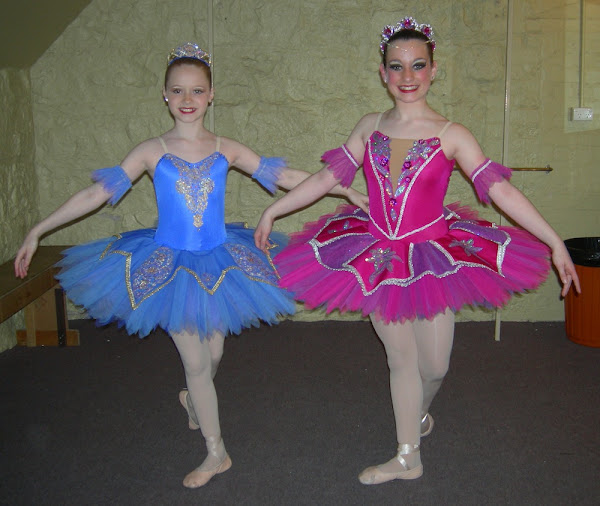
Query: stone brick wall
[(292, 79), (18, 180), (543, 90)]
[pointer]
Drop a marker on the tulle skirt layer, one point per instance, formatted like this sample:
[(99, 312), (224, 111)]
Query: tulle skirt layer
[(336, 263), (133, 280)]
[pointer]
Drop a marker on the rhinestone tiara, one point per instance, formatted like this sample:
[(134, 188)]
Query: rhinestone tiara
[(189, 50), (407, 23)]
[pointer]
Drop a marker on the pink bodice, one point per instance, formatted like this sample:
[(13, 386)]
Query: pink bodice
[(407, 210)]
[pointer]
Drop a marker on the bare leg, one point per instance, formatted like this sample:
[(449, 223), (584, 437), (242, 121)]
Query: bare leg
[(198, 365)]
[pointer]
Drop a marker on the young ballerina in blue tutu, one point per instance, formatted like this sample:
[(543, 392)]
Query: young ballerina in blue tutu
[(195, 276)]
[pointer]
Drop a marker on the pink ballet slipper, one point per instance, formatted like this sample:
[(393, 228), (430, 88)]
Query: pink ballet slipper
[(396, 469), (216, 462)]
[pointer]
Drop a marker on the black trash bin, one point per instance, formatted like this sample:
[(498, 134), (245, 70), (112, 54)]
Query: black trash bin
[(582, 311)]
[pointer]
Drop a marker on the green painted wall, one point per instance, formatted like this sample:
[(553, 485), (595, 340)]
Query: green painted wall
[(544, 85), (18, 180), (292, 79)]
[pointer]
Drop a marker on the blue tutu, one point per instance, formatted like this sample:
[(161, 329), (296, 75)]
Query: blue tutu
[(192, 273), (131, 279)]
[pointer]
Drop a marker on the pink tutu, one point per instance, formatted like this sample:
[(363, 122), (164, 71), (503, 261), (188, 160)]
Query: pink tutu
[(474, 264), (411, 257)]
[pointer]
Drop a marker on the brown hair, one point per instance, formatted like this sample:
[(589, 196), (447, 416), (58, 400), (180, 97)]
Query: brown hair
[(407, 34), (188, 61)]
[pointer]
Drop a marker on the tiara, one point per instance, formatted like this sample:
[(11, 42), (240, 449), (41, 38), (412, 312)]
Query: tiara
[(189, 50), (407, 23)]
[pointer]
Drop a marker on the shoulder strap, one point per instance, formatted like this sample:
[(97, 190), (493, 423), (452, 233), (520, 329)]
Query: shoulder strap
[(162, 143), (378, 120), (218, 144), (443, 130)]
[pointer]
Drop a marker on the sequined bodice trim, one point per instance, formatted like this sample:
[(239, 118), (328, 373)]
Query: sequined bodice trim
[(388, 205), (194, 183), (161, 267)]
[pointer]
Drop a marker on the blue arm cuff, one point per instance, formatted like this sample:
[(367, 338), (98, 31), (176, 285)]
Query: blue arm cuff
[(268, 172), (114, 180)]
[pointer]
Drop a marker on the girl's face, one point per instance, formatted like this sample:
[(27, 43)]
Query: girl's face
[(188, 92), (409, 71)]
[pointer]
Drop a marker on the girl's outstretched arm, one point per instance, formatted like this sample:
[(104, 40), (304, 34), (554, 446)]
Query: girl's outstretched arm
[(467, 152), (355, 145), (287, 178), (81, 203), (307, 192), (319, 184), (290, 178), (510, 200)]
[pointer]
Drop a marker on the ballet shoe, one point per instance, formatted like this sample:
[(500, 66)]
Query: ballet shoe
[(186, 402), (395, 469), (426, 425), (216, 462), (200, 477)]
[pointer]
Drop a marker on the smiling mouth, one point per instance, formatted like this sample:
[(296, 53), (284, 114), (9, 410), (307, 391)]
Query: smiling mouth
[(407, 89), (187, 110)]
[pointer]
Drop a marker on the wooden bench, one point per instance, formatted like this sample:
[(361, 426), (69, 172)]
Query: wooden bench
[(42, 297)]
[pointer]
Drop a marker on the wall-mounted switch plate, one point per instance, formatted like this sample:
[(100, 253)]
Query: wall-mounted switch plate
[(581, 114)]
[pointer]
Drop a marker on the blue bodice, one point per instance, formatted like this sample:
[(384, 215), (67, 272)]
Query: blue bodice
[(191, 202)]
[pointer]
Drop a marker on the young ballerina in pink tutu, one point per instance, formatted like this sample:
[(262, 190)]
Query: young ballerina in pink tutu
[(195, 276), (410, 263)]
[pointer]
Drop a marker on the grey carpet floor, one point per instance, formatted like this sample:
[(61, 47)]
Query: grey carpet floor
[(304, 408)]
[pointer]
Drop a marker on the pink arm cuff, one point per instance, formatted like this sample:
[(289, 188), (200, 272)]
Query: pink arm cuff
[(343, 165), (484, 176)]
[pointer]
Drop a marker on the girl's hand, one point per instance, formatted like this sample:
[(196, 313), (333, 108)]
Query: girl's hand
[(25, 253), (359, 199), (262, 231), (566, 270)]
